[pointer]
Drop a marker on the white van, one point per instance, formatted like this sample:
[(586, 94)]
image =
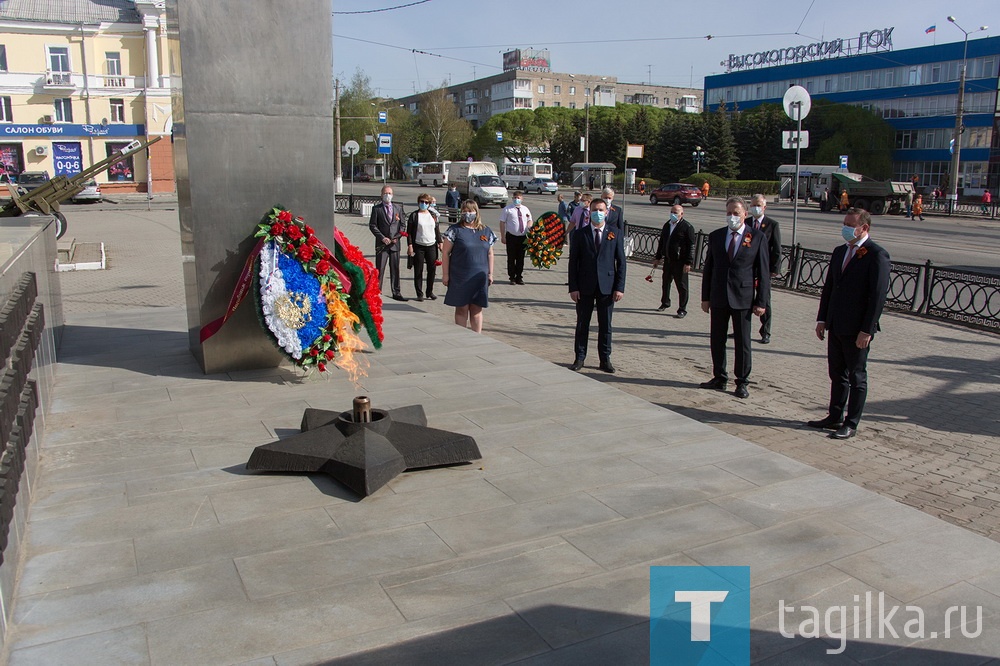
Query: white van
[(517, 174), (434, 173), (480, 182)]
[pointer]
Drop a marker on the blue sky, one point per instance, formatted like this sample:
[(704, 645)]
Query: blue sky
[(662, 42)]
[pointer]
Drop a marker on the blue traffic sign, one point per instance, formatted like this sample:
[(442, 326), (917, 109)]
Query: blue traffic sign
[(843, 161), (383, 117), (384, 144), (499, 136)]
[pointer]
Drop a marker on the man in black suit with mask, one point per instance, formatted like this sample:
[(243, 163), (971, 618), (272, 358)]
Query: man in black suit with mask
[(387, 224), (676, 250), (854, 294), (614, 218), (735, 284), (769, 227)]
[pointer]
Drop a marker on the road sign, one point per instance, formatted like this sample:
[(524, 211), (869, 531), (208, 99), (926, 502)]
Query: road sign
[(499, 136), (384, 144), (352, 147), (843, 162), (383, 117), (634, 151), (789, 140), (797, 102)]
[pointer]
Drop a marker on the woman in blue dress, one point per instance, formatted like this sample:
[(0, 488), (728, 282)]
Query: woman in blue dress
[(467, 267)]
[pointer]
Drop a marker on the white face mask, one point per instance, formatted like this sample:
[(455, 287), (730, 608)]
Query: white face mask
[(734, 222), (387, 198), (608, 201), (756, 211)]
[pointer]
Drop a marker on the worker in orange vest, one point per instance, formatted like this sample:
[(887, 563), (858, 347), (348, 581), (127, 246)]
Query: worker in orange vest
[(704, 189), (843, 200), (918, 208)]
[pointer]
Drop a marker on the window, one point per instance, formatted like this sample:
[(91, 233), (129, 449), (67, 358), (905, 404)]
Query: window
[(572, 105), (522, 84), (572, 90), (3, 57), (117, 110), (557, 90), (556, 104), (541, 88), (6, 113), (59, 59), (113, 62), (64, 110), (124, 170), (541, 104), (586, 91)]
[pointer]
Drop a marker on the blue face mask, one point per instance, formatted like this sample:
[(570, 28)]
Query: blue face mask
[(674, 217), (423, 205), (517, 202), (848, 233), (597, 217)]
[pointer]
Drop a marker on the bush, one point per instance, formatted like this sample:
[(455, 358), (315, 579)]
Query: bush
[(714, 182)]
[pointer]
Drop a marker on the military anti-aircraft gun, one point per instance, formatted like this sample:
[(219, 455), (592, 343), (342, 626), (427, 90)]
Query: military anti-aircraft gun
[(46, 198)]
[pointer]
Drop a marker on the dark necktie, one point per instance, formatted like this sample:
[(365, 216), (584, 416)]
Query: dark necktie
[(520, 221), (848, 256), (597, 238), (733, 244)]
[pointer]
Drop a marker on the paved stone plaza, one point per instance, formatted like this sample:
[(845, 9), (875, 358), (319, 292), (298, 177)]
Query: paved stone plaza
[(148, 543)]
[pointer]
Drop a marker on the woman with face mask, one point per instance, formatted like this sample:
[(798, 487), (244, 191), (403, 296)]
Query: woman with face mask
[(467, 267), (424, 241)]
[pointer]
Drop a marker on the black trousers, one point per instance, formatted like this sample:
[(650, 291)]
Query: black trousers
[(424, 255), (848, 378), (515, 256), (721, 316), (390, 256), (765, 323), (673, 272), (605, 305)]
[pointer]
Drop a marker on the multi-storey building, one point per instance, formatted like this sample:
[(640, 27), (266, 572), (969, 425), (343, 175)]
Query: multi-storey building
[(528, 83), (79, 79), (914, 90)]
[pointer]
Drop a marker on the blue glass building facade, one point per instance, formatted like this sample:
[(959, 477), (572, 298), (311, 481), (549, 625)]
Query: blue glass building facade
[(915, 90)]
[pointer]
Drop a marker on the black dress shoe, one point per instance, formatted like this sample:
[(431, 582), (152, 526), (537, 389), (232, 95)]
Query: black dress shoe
[(431, 297), (577, 365), (845, 432), (420, 299), (399, 297), (661, 308), (741, 391), (607, 367), (765, 339), (718, 384), (829, 423), (512, 280), (681, 314), (519, 281)]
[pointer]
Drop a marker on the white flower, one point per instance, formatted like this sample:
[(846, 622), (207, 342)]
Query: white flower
[(272, 290)]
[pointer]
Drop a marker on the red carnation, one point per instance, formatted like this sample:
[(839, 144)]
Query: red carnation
[(321, 366), (310, 230), (305, 253), (312, 240), (327, 338), (294, 232), (329, 354), (314, 352), (277, 229), (285, 216), (323, 267)]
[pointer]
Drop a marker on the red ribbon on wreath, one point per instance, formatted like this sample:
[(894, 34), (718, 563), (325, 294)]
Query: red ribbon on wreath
[(239, 293)]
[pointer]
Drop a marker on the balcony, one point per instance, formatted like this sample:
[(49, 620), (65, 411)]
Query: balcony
[(59, 81)]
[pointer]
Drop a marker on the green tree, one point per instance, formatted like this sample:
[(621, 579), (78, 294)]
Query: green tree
[(521, 136), (757, 133), (719, 145), (445, 134), (844, 129), (358, 116), (678, 136)]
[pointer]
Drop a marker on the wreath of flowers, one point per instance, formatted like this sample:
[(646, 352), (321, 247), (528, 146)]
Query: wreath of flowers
[(545, 239), (310, 300)]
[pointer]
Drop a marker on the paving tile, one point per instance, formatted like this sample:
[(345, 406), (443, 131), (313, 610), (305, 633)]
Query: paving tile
[(539, 483), (255, 629), (106, 648), (521, 522), (626, 646), (669, 491), (319, 565), (299, 492), (77, 566), (767, 468), (121, 603), (625, 441), (694, 452)]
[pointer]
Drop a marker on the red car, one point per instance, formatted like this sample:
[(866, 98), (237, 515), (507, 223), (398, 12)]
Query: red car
[(676, 193)]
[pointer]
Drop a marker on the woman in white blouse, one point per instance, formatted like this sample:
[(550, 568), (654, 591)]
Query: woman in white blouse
[(423, 246)]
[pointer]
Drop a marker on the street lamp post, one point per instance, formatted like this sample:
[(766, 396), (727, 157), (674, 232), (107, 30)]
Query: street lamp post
[(959, 128), (698, 155)]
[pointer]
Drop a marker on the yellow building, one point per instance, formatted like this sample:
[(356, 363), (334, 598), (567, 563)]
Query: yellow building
[(74, 88)]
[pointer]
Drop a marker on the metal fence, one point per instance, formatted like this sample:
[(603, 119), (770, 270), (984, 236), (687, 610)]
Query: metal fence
[(966, 297)]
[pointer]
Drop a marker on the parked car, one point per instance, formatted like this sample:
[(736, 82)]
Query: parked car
[(91, 193), (676, 193), (362, 177), (30, 180), (541, 186)]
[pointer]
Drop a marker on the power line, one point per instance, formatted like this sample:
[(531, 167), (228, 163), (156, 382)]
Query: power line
[(384, 9), (421, 52)]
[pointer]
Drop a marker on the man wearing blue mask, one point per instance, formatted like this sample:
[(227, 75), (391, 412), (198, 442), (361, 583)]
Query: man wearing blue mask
[(676, 250), (854, 293), (515, 220), (735, 284), (596, 278), (387, 224)]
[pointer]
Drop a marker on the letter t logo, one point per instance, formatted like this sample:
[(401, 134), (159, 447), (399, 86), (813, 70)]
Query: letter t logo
[(701, 610)]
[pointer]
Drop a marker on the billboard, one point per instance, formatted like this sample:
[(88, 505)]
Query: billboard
[(529, 60)]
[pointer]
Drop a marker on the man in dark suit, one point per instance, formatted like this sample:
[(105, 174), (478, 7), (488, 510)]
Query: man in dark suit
[(736, 284), (854, 293), (596, 278), (614, 218), (387, 224), (769, 227), (676, 249)]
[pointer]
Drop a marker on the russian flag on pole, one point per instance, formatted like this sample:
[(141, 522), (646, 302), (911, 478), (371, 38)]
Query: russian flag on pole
[(930, 29)]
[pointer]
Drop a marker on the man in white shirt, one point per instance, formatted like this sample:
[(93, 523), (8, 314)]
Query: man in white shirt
[(515, 220)]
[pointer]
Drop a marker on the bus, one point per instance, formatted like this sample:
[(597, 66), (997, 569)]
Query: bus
[(433, 173), (517, 174)]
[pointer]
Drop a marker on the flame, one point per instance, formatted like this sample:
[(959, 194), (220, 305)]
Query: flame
[(348, 342)]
